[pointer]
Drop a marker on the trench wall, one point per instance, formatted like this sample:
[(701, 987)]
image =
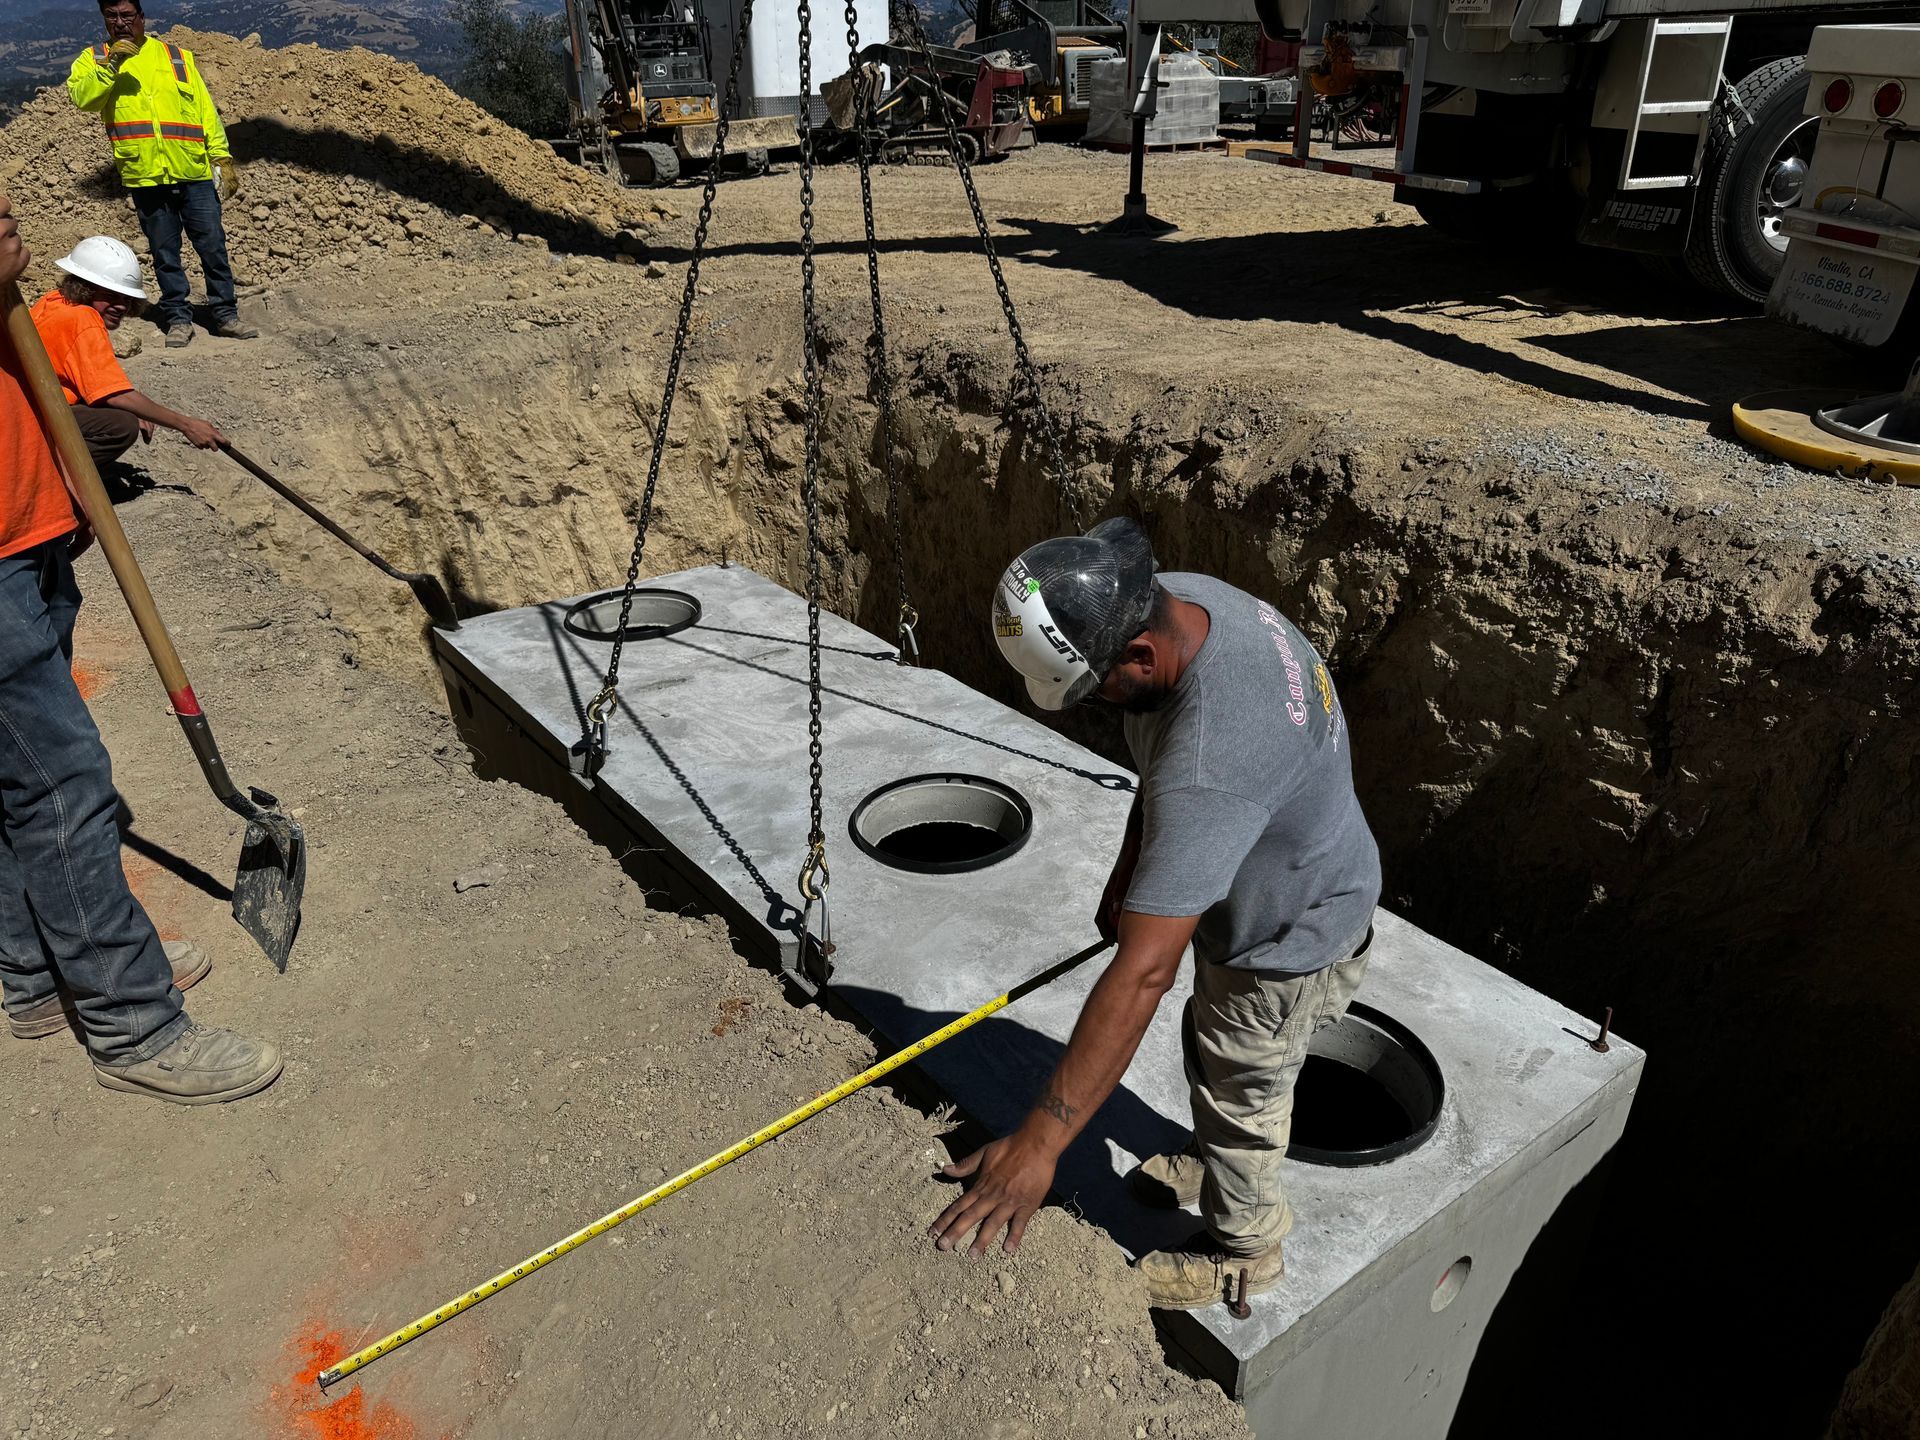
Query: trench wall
[(1619, 747)]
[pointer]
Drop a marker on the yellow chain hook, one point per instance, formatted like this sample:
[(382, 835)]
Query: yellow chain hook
[(597, 708), (816, 864), (909, 642)]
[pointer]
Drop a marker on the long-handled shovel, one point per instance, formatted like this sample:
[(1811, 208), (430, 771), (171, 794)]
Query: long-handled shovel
[(273, 857), (427, 589)]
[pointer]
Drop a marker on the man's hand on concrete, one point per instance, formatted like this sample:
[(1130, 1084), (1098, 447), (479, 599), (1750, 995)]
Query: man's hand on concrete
[(121, 51), (1011, 1178), (13, 254), (201, 434)]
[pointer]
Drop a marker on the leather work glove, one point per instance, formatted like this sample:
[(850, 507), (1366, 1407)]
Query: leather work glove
[(121, 51), (229, 173)]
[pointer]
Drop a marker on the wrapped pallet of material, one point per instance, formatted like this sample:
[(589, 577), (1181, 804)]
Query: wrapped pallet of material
[(1188, 106)]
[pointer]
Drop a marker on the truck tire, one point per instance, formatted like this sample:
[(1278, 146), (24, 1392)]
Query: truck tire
[(1756, 162)]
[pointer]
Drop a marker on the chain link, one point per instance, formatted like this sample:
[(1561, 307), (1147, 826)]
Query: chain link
[(595, 736), (810, 479), (879, 368), (1028, 373)]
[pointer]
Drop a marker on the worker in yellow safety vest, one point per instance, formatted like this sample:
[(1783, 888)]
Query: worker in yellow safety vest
[(169, 145)]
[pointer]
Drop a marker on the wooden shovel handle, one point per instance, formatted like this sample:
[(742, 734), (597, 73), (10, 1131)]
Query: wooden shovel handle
[(56, 416)]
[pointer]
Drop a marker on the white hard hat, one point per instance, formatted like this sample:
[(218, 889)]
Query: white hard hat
[(1065, 609), (105, 262)]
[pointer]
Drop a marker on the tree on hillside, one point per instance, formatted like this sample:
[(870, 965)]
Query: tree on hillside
[(512, 65)]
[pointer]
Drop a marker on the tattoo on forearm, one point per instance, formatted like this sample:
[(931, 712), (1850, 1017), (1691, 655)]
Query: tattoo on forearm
[(1057, 1108)]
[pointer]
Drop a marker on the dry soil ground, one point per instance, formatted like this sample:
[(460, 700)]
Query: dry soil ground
[(1621, 693), (471, 1073)]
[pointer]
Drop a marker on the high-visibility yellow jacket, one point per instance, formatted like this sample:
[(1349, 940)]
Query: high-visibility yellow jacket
[(160, 118)]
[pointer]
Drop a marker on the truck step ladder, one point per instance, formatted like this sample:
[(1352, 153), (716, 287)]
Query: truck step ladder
[(1680, 70)]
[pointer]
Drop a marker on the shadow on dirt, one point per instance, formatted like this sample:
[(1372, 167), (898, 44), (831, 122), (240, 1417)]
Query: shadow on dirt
[(1402, 283), (1387, 281), (418, 174), (1019, 1059)]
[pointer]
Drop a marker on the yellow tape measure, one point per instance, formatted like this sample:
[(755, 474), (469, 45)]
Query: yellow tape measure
[(362, 1358)]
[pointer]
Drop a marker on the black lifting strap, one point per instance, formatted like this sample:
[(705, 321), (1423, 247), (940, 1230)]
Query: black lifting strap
[(590, 751)]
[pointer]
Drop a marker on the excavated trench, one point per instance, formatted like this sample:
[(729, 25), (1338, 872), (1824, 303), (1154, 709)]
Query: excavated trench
[(1616, 750)]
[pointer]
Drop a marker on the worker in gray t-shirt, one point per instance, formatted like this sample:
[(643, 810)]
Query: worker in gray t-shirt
[(1246, 841)]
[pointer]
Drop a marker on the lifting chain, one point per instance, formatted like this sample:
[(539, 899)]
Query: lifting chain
[(1029, 375), (879, 370), (815, 947), (591, 750)]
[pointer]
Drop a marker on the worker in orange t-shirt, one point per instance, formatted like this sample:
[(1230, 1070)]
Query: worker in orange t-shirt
[(76, 950), (101, 287)]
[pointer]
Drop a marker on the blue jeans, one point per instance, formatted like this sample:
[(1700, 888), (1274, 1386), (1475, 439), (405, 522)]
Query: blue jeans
[(67, 920), (192, 207)]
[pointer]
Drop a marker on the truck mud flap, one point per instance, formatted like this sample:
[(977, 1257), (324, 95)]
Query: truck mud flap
[(1646, 222)]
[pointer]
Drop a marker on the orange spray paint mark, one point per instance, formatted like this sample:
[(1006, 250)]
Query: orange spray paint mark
[(90, 680), (305, 1414), (140, 873)]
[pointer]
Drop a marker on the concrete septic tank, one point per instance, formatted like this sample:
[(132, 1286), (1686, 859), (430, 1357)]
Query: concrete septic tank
[(1449, 1116)]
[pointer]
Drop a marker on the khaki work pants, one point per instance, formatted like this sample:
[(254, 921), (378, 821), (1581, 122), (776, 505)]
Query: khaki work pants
[(1245, 1037)]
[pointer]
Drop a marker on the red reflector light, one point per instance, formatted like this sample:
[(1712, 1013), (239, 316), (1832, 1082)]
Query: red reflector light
[(1839, 95), (1888, 99), (1866, 239)]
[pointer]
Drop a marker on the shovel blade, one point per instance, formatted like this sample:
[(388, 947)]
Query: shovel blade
[(272, 879)]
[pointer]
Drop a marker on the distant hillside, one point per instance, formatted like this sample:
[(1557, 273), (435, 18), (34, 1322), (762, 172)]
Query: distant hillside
[(38, 41)]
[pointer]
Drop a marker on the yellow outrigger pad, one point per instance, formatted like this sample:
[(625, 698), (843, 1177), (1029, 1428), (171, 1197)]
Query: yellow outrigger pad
[(1781, 423)]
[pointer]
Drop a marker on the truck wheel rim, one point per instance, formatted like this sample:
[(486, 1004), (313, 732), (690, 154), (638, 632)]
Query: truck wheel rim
[(1785, 178)]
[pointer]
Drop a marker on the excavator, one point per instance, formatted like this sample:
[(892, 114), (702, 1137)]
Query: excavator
[(1060, 38), (643, 95)]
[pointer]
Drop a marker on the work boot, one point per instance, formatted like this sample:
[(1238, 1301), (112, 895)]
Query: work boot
[(202, 1067), (233, 328), (190, 966), (179, 334), (1200, 1273), (1170, 1181)]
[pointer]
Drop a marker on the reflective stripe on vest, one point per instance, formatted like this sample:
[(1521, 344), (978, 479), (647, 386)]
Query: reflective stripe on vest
[(100, 54), (130, 130), (179, 65), (191, 133)]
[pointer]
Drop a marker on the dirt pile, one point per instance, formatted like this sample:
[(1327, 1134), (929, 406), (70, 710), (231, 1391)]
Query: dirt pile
[(343, 153)]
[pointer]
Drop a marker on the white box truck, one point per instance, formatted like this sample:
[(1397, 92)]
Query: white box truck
[(1674, 128)]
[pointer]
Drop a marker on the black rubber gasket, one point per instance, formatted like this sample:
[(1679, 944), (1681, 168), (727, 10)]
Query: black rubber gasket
[(634, 631), (1416, 1048), (944, 867)]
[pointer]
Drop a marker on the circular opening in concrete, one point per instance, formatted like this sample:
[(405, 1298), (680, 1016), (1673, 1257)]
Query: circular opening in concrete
[(654, 613), (1452, 1281), (941, 824), (1370, 1091)]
